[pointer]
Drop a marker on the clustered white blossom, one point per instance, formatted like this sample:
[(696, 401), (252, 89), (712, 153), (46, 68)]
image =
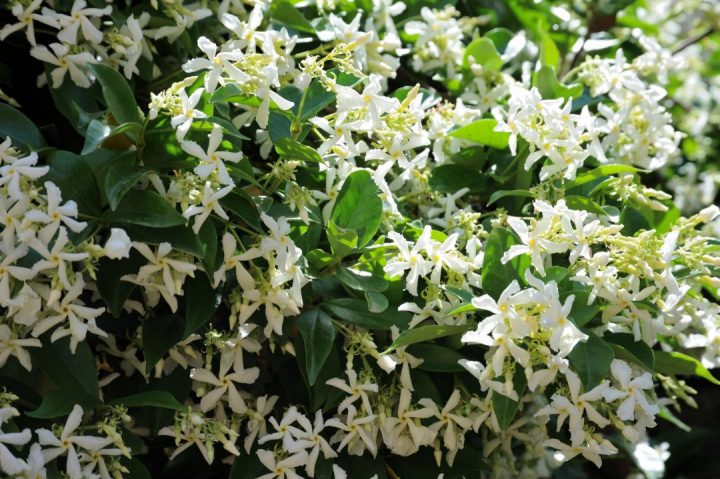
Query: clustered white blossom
[(646, 285)]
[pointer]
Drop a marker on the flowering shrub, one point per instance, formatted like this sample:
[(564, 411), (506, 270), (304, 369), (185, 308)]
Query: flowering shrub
[(354, 239)]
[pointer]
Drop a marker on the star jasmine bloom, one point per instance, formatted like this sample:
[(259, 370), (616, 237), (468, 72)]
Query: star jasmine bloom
[(283, 431), (169, 268), (576, 407), (10, 345), (503, 312), (309, 438), (453, 439), (233, 261), (279, 241), (66, 443), (369, 101), (224, 383), (626, 311), (78, 20), (354, 389), (12, 172), (9, 464), (8, 271), (65, 62), (445, 254), (283, 469), (193, 435), (210, 204), (631, 391), (74, 318), (184, 120), (533, 245), (256, 423), (35, 468), (118, 244), (216, 63), (357, 436), (56, 214), (409, 259), (94, 458), (267, 95), (245, 31), (26, 14), (505, 347), (56, 259), (590, 451), (408, 421), (556, 318), (183, 23), (213, 161)]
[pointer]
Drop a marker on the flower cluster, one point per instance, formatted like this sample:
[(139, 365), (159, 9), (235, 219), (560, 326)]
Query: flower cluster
[(342, 238)]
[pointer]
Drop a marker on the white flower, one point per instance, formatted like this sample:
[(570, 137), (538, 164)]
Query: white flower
[(9, 464), (309, 437), (78, 19), (66, 443), (216, 63), (631, 391), (10, 345), (409, 259), (591, 451), (213, 161), (26, 15), (210, 204), (184, 120), (453, 423), (225, 383), (284, 468), (118, 244), (13, 171), (56, 214), (357, 435), (355, 389), (65, 62)]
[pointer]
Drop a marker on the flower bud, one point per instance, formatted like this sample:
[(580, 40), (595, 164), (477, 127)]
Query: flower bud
[(118, 245)]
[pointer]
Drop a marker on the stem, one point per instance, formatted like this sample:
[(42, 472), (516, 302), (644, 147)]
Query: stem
[(694, 40)]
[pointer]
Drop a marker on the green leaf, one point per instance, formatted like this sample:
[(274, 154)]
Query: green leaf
[(118, 94), (74, 372), (247, 467), (361, 280), (355, 311), (483, 132), (505, 193), (145, 208), (75, 178), (180, 237), (358, 206), (426, 333), (583, 203), (678, 363), (285, 13), (20, 129), (451, 178), (496, 276), (120, 177), (60, 402), (549, 53), (97, 132), (342, 241), (112, 289), (591, 360), (318, 333), (376, 302), (159, 335), (293, 150), (436, 358), (201, 302), (483, 52), (549, 86), (627, 349), (242, 206), (504, 407), (161, 399), (600, 172)]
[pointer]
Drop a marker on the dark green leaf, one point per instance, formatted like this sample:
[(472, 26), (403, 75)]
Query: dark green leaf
[(678, 363), (496, 276), (483, 132), (436, 358), (75, 178), (60, 402), (591, 360), (201, 302), (291, 149), (358, 206), (111, 288), (361, 280), (120, 177), (161, 399), (355, 311), (286, 14), (145, 208), (118, 94), (451, 178), (20, 129), (159, 335), (627, 349), (342, 241), (243, 207), (505, 193), (73, 372), (506, 408), (426, 333), (318, 333)]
